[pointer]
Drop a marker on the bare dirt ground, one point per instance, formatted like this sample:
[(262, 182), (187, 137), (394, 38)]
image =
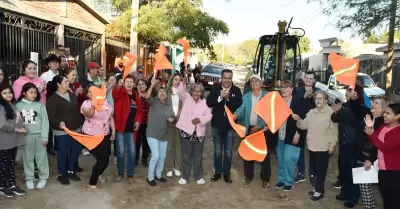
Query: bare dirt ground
[(171, 195)]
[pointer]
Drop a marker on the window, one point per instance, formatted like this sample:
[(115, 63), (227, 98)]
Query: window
[(332, 83), (213, 70)]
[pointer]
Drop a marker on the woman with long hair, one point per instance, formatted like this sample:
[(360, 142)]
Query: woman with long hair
[(141, 140), (174, 155), (12, 135), (63, 111)]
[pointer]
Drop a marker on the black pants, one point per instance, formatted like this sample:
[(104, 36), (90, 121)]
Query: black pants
[(7, 167), (265, 174), (389, 186), (320, 161), (338, 163), (101, 153), (141, 141), (349, 190)]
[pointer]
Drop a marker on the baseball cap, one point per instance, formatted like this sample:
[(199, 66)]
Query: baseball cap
[(92, 65), (255, 76), (140, 67)]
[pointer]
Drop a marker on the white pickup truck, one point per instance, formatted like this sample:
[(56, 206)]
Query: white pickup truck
[(336, 90)]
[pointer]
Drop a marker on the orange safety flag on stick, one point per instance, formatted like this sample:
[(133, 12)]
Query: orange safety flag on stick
[(345, 70), (254, 147), (186, 49), (128, 60), (90, 142), (240, 130), (273, 109), (99, 97), (161, 61)]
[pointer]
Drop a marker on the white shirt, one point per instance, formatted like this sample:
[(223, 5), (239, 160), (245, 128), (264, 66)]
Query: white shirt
[(175, 100), (253, 115), (49, 75)]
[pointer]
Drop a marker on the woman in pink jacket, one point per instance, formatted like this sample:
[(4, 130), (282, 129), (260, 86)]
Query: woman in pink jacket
[(195, 115), (29, 74)]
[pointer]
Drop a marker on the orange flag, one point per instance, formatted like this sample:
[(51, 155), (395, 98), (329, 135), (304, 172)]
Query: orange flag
[(345, 70), (273, 110), (186, 49), (240, 130), (99, 97), (88, 141), (161, 61), (128, 60), (254, 147)]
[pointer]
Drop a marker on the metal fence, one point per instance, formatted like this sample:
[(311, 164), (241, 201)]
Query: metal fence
[(85, 46), (20, 35)]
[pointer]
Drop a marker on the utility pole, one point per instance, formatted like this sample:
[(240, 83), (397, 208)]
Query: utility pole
[(134, 36), (390, 58), (223, 52)]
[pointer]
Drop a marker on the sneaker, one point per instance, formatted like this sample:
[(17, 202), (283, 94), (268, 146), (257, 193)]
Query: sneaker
[(246, 181), (119, 178), (101, 179), (91, 188), (201, 181), (337, 185), (177, 172), (265, 184), (170, 174), (152, 182), (216, 177), (161, 179), (63, 179), (288, 188), (182, 181), (85, 152), (279, 185), (17, 191), (41, 184), (300, 178), (72, 176), (30, 185), (6, 193), (228, 179), (131, 180)]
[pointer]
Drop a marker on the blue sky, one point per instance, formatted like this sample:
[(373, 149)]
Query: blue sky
[(253, 18)]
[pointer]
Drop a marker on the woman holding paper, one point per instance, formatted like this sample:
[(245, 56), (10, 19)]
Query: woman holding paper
[(63, 111), (386, 139), (322, 136), (98, 120)]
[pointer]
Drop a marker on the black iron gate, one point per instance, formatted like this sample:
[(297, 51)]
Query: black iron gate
[(19, 36), (85, 46)]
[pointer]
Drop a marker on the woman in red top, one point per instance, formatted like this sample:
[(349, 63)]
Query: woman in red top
[(141, 140), (386, 139)]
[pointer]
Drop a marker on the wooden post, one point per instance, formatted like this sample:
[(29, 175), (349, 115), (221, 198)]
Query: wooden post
[(390, 58)]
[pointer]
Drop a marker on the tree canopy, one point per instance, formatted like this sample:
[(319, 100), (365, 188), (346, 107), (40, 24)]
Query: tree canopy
[(381, 38), (363, 16), (169, 20)]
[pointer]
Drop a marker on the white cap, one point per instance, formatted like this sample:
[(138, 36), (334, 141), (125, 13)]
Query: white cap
[(256, 76)]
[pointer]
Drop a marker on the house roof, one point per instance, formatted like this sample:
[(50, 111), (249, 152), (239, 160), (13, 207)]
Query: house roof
[(332, 39), (362, 57), (90, 8), (396, 46)]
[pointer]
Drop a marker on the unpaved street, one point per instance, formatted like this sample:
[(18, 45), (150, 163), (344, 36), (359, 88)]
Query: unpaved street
[(171, 195)]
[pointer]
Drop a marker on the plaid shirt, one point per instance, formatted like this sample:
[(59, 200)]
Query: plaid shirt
[(146, 108)]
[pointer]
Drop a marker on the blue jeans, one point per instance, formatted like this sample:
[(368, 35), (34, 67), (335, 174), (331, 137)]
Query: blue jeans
[(158, 153), (67, 146), (302, 165), (223, 142), (288, 157), (125, 143)]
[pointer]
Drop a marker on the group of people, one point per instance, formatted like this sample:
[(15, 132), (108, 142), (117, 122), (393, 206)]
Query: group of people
[(169, 124)]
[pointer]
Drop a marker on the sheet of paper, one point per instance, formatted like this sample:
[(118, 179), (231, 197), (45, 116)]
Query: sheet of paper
[(361, 176)]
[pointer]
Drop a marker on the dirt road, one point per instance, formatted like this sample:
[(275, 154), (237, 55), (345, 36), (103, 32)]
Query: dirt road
[(171, 195)]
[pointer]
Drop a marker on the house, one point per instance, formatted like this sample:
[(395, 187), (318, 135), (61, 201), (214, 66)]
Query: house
[(384, 49), (39, 25)]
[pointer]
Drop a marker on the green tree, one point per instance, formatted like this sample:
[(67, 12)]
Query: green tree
[(219, 49), (169, 20), (247, 50), (381, 38), (303, 47)]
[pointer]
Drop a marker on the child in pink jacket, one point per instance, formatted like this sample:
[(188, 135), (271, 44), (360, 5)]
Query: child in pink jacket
[(195, 115)]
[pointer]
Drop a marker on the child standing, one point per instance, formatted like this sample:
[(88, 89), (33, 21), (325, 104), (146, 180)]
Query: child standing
[(34, 116)]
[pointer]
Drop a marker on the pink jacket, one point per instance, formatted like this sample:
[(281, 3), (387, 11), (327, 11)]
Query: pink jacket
[(191, 110), (22, 80)]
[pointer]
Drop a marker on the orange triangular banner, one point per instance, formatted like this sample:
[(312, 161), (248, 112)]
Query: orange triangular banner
[(345, 70), (90, 142), (273, 109), (254, 147), (161, 61), (240, 130), (186, 49), (98, 97), (129, 60)]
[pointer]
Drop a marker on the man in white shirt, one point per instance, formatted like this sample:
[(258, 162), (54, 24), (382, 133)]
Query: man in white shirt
[(53, 63)]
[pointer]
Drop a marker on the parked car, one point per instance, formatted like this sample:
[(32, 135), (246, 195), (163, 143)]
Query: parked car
[(211, 75), (336, 90)]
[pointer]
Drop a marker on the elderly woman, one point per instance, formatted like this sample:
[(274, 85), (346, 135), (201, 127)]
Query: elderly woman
[(322, 136), (195, 114), (159, 114)]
